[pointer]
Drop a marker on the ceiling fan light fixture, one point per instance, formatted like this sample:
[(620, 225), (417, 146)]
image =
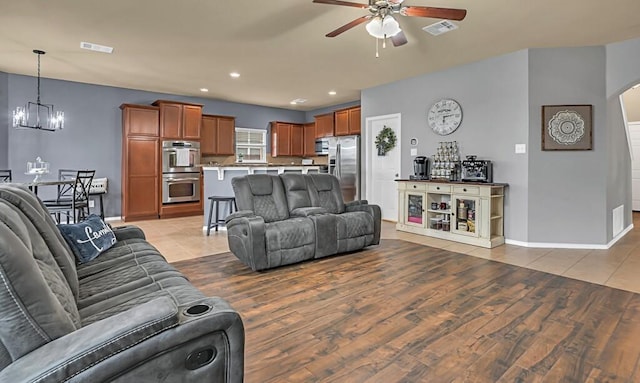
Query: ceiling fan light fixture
[(382, 28)]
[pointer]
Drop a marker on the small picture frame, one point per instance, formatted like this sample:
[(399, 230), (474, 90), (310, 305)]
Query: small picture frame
[(567, 127)]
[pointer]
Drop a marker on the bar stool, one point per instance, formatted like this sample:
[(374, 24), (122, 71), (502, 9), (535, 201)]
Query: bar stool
[(216, 200)]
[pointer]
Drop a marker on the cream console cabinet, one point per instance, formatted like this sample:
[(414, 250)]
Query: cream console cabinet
[(470, 213)]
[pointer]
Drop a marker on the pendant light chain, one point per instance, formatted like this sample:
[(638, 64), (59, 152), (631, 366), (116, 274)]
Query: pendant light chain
[(39, 78)]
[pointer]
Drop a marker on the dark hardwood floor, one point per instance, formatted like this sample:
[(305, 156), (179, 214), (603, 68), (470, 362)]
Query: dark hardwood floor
[(403, 312)]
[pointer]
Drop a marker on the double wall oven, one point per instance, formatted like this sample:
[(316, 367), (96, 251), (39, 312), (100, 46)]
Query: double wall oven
[(180, 172)]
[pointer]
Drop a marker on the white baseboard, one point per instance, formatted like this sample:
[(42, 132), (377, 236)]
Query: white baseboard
[(571, 245), (110, 219)]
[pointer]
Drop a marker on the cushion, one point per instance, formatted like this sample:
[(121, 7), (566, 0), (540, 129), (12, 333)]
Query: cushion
[(88, 238)]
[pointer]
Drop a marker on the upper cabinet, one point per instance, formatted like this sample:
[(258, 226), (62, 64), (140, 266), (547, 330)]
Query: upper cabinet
[(139, 120), (181, 121), (217, 135), (309, 130), (347, 121), (297, 140), (324, 125), (287, 139)]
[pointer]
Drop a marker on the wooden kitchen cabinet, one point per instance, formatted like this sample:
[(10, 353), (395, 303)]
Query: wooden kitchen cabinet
[(180, 121), (297, 140), (287, 139), (324, 125), (309, 130), (217, 135), (140, 162), (347, 121), (354, 120)]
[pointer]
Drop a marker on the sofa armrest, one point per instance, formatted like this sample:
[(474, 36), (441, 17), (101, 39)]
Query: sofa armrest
[(239, 214), (375, 212), (246, 237), (308, 211), (356, 203), (128, 345), (128, 232)]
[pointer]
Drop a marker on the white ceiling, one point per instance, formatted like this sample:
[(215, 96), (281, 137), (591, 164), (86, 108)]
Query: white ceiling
[(278, 46)]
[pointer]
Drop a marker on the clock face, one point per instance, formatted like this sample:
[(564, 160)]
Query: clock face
[(445, 116)]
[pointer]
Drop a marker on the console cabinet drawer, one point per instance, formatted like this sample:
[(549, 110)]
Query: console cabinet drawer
[(417, 186), (467, 190), (439, 188)]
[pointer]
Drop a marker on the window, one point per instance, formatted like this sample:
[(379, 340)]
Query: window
[(251, 145)]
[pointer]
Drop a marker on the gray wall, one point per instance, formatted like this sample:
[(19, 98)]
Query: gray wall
[(4, 120), (566, 200), (493, 96), (93, 129), (623, 66)]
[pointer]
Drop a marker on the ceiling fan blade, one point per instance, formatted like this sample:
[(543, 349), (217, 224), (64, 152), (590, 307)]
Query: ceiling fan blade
[(436, 13), (399, 39), (338, 2), (348, 26)]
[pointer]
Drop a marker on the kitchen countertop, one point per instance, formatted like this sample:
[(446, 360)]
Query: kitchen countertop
[(250, 168), (249, 164)]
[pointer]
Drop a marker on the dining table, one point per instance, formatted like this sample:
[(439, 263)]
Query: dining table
[(33, 185)]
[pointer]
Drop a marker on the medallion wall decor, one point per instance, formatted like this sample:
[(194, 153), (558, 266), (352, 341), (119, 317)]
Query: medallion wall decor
[(567, 127)]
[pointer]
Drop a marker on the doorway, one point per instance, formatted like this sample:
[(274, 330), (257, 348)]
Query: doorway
[(382, 171), (634, 142), (630, 101)]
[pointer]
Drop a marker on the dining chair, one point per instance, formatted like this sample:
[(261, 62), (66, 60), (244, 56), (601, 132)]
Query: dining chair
[(5, 175), (73, 198)]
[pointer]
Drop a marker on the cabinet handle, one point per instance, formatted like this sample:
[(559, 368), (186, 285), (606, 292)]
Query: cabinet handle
[(414, 186), (437, 187), (465, 189)]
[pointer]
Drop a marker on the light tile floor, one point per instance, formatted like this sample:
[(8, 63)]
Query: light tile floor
[(183, 238)]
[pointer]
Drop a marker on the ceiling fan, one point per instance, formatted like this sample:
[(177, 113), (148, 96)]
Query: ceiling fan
[(383, 25)]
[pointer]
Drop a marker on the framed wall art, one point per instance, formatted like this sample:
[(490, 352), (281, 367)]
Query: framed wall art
[(567, 127)]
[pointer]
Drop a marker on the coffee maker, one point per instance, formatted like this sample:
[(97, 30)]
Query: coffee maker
[(474, 170), (420, 168)]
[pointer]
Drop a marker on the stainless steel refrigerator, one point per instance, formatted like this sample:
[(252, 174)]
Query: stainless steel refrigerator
[(344, 163)]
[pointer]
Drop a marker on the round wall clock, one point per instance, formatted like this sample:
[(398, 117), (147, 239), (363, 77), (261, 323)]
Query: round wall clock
[(445, 116)]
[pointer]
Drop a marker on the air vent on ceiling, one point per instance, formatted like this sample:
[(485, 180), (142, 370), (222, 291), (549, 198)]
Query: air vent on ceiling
[(440, 27), (96, 47)]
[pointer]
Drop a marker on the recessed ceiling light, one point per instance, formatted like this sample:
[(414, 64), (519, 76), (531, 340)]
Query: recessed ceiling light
[(332, 93), (298, 101), (204, 90), (234, 74)]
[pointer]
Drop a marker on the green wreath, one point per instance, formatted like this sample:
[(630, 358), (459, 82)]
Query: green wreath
[(385, 140)]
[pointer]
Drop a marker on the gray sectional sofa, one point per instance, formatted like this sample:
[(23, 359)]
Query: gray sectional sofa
[(127, 316), (293, 217)]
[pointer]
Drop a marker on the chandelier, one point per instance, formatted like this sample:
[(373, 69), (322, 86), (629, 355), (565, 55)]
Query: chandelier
[(36, 115)]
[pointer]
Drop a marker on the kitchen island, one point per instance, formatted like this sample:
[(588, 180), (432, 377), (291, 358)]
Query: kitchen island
[(217, 179)]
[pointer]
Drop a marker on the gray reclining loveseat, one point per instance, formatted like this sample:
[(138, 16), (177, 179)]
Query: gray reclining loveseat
[(126, 316), (292, 217)]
